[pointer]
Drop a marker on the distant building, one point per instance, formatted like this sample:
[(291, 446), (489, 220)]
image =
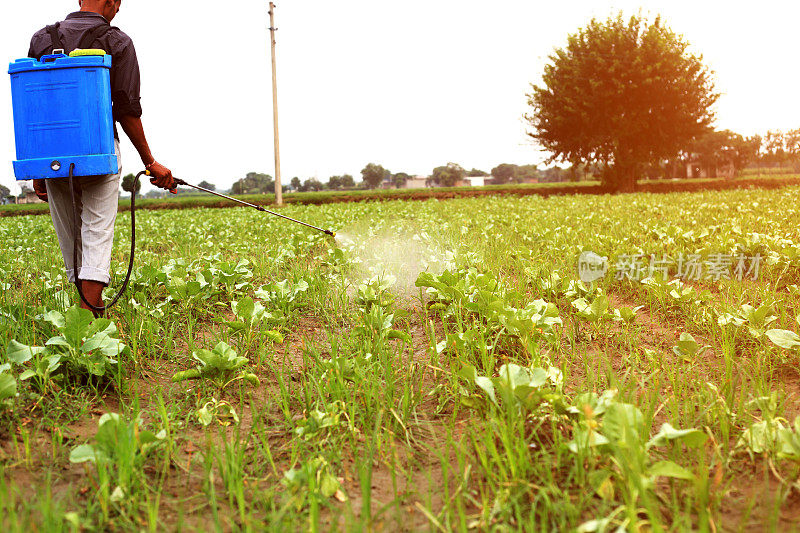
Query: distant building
[(696, 169), (417, 182), (28, 197)]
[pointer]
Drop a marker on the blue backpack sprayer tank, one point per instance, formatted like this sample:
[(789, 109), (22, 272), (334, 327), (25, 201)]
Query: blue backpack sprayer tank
[(64, 129)]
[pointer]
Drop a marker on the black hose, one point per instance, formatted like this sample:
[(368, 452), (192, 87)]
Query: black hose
[(76, 217)]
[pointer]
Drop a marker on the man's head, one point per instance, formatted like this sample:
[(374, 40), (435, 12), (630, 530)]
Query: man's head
[(107, 8)]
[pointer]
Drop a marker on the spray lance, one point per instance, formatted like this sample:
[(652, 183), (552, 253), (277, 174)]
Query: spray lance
[(178, 181), (257, 207)]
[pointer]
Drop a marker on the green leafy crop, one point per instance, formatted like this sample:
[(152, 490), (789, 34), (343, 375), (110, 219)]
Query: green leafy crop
[(85, 346), (221, 366)]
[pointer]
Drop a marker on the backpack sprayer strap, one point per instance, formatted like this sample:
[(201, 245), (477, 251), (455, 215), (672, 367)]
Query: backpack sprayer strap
[(55, 37), (93, 34), (87, 40)]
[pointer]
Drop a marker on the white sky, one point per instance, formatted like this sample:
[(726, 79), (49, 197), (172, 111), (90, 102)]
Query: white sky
[(410, 85)]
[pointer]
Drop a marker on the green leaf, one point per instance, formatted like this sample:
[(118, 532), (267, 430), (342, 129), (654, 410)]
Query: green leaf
[(109, 418), (789, 442), (244, 308), (399, 335), (585, 439), (512, 375), (56, 319), (76, 325), (148, 437), (83, 453), (670, 469), (74, 520), (599, 305), (487, 386), (690, 437), (787, 340), (581, 305), (236, 325), (117, 495), (602, 483), (252, 379), (329, 485), (105, 344), (58, 341), (759, 437), (301, 286), (205, 416), (194, 373), (274, 336), (687, 345), (19, 353), (8, 387), (101, 325), (221, 358), (626, 314), (177, 289), (539, 377), (594, 526), (62, 299), (623, 423)]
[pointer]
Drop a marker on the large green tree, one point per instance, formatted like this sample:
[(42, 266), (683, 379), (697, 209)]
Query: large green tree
[(527, 172), (341, 182), (504, 173), (335, 183), (448, 175), (5, 192), (399, 180), (374, 175), (792, 142), (621, 93), (128, 181), (477, 173), (780, 148), (312, 184), (254, 183), (718, 148)]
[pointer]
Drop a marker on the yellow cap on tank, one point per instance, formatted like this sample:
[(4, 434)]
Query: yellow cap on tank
[(87, 52)]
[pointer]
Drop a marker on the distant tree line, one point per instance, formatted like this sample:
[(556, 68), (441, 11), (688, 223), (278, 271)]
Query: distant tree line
[(780, 149), (254, 183), (713, 152)]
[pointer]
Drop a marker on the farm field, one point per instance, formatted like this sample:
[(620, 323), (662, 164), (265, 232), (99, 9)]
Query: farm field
[(187, 201), (440, 366)]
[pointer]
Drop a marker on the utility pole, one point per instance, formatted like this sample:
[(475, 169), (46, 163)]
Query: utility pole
[(278, 185)]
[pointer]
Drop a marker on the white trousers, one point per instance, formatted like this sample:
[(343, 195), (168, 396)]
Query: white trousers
[(97, 198)]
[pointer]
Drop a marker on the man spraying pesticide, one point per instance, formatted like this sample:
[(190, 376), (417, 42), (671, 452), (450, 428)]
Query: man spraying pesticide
[(65, 111), (83, 210)]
